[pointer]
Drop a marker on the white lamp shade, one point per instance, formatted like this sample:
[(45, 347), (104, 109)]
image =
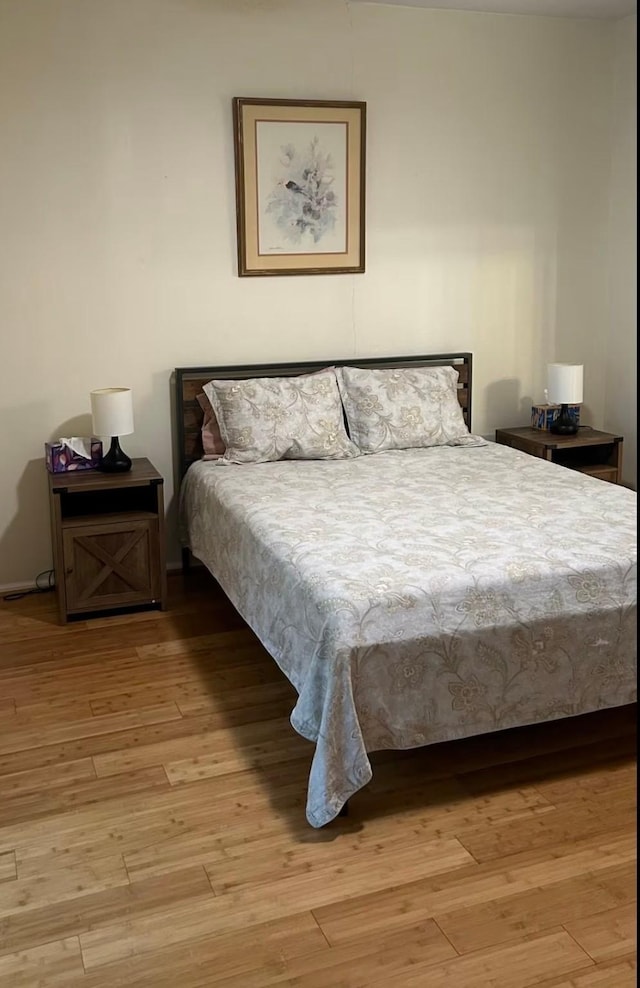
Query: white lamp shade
[(112, 411), (564, 384)]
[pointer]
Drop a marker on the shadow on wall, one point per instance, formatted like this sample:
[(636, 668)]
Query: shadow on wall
[(28, 533), (509, 410), (26, 542), (172, 505), (79, 425), (507, 407)]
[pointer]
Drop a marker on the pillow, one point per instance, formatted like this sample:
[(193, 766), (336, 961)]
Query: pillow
[(212, 444), (276, 418), (402, 408)]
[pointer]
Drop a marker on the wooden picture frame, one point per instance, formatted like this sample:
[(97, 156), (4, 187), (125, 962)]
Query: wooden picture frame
[(300, 186)]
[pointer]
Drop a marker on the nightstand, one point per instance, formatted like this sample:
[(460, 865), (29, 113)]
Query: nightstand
[(108, 539), (589, 451)]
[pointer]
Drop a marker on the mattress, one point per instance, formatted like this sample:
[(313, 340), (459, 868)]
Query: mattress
[(418, 596)]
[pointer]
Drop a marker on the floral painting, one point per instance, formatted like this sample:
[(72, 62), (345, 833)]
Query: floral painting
[(304, 206), (299, 186)]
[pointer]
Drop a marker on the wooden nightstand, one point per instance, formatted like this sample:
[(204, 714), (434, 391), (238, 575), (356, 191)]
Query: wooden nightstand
[(589, 451), (108, 539)]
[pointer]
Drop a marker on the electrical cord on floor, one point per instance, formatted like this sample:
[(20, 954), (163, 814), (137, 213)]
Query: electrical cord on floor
[(39, 587)]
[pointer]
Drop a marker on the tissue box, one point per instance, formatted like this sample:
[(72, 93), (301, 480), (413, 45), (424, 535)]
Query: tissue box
[(60, 458), (543, 415)]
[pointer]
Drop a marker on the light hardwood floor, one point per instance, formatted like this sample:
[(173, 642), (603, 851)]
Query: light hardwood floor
[(152, 829)]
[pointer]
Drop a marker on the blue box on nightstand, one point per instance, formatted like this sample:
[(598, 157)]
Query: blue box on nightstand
[(543, 415)]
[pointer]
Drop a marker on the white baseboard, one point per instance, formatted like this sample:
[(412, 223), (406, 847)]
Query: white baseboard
[(22, 586), (15, 587)]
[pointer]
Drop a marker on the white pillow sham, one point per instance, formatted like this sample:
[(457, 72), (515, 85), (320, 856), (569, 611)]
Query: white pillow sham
[(403, 408), (275, 418)]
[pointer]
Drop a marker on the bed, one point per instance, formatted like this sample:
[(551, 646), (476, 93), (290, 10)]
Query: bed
[(414, 595)]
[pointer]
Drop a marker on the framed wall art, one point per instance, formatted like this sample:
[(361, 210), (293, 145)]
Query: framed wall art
[(300, 186)]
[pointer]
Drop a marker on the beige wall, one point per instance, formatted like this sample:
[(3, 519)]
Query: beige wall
[(622, 316), (488, 217)]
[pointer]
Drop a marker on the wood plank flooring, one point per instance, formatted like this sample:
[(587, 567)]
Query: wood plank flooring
[(152, 828)]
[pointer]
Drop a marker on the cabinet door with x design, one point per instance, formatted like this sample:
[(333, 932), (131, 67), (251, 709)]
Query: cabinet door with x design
[(108, 540)]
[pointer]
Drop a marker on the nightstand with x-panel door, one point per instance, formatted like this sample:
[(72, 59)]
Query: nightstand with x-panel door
[(108, 540)]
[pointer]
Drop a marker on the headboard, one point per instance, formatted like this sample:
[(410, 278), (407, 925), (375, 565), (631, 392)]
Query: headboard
[(189, 382)]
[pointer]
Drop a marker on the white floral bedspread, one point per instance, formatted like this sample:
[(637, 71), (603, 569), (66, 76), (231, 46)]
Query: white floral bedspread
[(422, 595)]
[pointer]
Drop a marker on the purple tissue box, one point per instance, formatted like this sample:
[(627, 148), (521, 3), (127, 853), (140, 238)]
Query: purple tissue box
[(60, 458), (543, 415)]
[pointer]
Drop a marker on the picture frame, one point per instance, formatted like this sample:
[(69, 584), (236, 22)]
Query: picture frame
[(300, 186)]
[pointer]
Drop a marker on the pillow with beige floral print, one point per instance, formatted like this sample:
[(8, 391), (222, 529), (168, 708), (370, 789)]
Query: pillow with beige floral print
[(403, 408), (279, 418)]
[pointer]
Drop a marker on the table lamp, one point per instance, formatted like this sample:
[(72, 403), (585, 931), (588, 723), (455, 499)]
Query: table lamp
[(564, 387), (112, 413)]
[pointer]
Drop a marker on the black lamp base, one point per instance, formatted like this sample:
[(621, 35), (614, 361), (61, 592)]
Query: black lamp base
[(115, 461), (564, 425)]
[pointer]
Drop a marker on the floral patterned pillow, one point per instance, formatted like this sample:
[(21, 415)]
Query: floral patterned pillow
[(279, 418), (403, 408)]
